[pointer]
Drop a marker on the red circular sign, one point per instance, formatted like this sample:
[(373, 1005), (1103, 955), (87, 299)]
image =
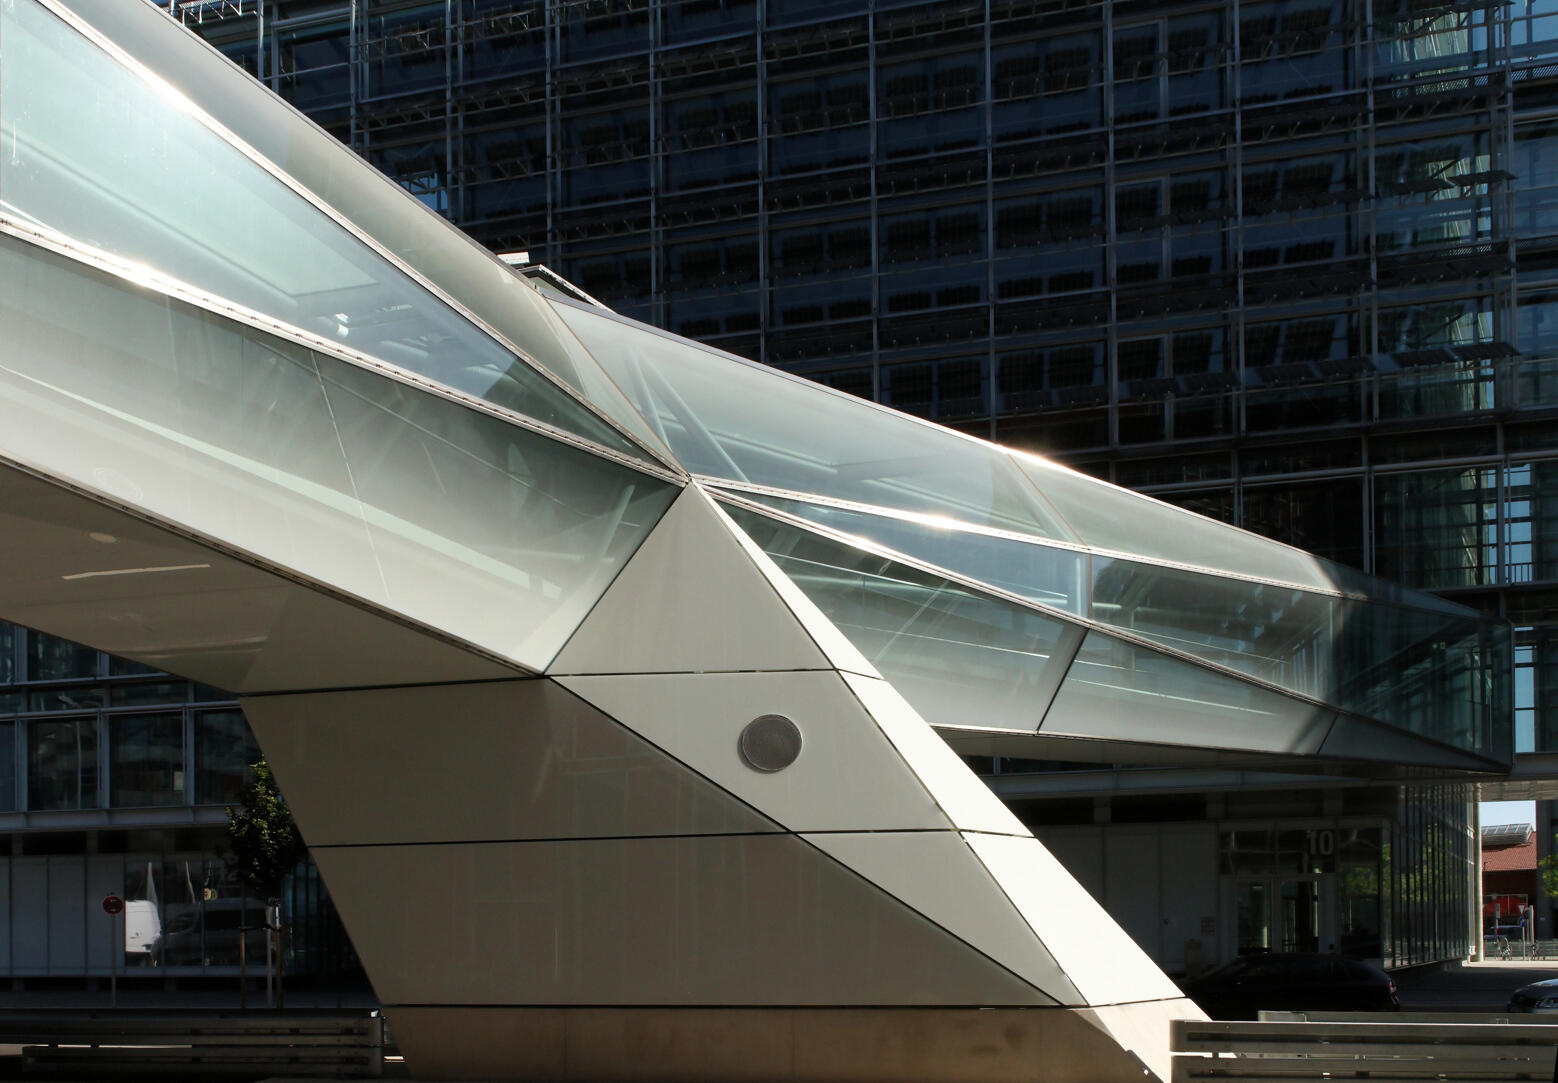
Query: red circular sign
[(113, 904)]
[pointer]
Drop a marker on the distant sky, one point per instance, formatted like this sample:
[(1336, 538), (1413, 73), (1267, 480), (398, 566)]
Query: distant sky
[(1508, 812)]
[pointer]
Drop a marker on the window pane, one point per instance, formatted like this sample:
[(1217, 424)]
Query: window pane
[(224, 752), (146, 760), (9, 634), (50, 658), (62, 764), (7, 766)]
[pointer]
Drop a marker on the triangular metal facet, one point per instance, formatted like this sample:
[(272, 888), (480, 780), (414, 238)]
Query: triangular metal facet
[(937, 874), (691, 600), (846, 776)]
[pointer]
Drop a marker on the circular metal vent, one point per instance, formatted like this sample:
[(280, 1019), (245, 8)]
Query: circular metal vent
[(770, 742)]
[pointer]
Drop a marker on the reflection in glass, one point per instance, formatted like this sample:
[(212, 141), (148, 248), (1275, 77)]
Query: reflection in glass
[(7, 766), (225, 752), (62, 763), (9, 633), (958, 656), (146, 760), (50, 658), (1112, 518), (143, 918), (457, 518), (1046, 574), (732, 419), (1120, 691), (92, 152)]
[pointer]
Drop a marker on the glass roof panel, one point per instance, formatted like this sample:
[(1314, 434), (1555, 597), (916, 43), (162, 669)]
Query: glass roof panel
[(1047, 574), (96, 153), (1109, 517), (378, 206), (958, 656), (732, 419)]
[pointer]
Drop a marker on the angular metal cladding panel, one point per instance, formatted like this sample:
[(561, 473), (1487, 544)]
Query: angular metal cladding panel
[(77, 568), (847, 777), (495, 761), (712, 920), (1104, 964), (937, 874), (690, 600)]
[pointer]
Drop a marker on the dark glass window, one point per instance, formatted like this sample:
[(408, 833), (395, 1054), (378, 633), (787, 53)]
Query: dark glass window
[(50, 658), (225, 750), (146, 760), (62, 763)]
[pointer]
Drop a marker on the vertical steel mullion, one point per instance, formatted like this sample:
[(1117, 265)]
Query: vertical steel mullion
[(1111, 236), (992, 366), (554, 164), (764, 242), (657, 303), (1236, 166), (876, 259), (450, 187)]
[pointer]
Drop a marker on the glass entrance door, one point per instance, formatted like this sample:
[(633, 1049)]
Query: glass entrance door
[(1298, 914), (1283, 913), (1252, 912)]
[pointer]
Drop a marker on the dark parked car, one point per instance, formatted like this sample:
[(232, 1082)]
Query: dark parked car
[(1538, 998), (1296, 981)]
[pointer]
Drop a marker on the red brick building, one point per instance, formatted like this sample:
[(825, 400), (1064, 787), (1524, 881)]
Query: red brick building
[(1509, 873)]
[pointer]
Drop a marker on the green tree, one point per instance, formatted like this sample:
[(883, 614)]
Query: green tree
[(263, 846), (1549, 873)]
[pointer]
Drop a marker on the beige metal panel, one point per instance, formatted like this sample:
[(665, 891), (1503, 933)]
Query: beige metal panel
[(937, 874), (968, 803), (848, 777), (765, 1045), (731, 920), (689, 601), (76, 568), (1105, 965), (462, 763)]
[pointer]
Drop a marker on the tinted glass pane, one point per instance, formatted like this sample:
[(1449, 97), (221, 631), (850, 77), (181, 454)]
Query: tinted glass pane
[(225, 750), (1119, 691), (1046, 574), (9, 634), (733, 419), (93, 152), (7, 766), (62, 763), (1114, 518), (958, 656), (50, 658), (449, 515), (146, 760)]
